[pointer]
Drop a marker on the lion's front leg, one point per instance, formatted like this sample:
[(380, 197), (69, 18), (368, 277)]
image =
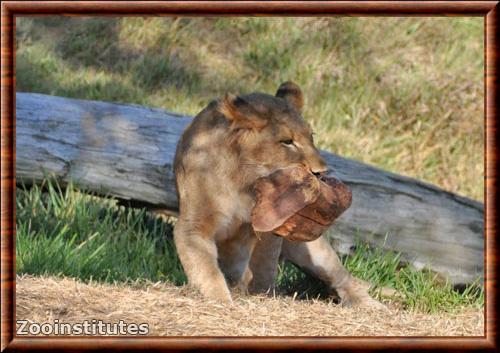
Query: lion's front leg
[(234, 257), (318, 258), (263, 267), (198, 254)]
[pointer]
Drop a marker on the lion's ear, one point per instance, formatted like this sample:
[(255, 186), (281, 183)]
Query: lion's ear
[(280, 195), (241, 113), (292, 93)]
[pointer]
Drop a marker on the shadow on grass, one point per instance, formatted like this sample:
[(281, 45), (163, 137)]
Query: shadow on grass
[(93, 45)]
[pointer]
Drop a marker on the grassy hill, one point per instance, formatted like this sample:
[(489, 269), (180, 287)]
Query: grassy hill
[(405, 94)]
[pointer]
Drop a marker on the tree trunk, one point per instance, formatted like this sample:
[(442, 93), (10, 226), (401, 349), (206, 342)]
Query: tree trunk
[(127, 151)]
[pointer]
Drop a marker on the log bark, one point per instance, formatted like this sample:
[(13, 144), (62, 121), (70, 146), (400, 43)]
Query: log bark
[(126, 151)]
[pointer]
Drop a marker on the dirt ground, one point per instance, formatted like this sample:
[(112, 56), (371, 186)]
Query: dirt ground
[(179, 311)]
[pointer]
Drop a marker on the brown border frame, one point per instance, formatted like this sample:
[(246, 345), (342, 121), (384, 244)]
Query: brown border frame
[(9, 9)]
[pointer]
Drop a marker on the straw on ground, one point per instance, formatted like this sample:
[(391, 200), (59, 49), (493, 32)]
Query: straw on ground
[(178, 311)]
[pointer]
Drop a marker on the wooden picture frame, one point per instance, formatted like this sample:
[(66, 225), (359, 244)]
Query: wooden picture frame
[(10, 9)]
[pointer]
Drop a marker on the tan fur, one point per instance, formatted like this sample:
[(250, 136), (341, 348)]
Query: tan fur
[(230, 144)]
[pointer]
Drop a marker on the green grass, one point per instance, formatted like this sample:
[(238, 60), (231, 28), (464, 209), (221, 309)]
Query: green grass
[(405, 94), (74, 234), (417, 290), (69, 233)]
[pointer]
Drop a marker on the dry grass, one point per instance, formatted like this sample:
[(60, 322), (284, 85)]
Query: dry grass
[(178, 311)]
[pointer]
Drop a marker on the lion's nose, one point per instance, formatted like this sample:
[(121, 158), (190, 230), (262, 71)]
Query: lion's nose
[(320, 173), (320, 170), (316, 163)]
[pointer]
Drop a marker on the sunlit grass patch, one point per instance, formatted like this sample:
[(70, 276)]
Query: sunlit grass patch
[(414, 290), (74, 234)]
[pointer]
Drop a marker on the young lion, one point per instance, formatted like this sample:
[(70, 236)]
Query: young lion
[(230, 144)]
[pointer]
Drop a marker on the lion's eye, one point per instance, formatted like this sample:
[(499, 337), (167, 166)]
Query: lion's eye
[(287, 142)]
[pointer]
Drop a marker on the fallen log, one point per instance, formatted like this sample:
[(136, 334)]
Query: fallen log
[(126, 151)]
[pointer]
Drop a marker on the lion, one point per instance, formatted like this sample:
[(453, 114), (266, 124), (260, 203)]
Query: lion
[(226, 148)]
